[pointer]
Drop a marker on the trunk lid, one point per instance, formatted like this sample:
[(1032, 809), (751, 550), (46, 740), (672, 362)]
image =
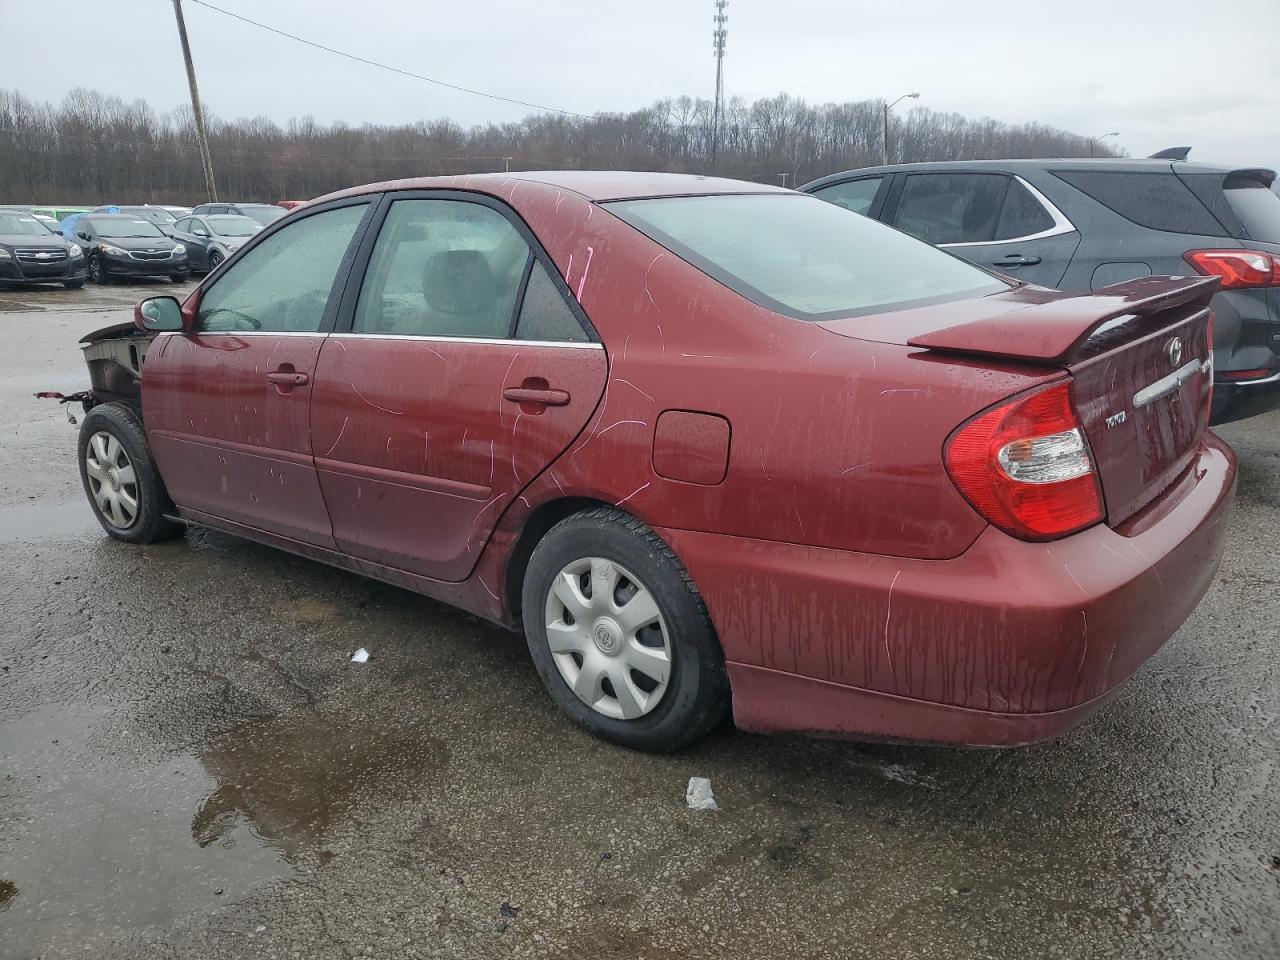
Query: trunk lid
[(1140, 357)]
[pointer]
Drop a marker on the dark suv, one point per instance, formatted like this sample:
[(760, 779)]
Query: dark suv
[(1086, 224)]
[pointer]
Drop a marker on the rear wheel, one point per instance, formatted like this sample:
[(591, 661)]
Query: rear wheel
[(620, 635), (120, 477)]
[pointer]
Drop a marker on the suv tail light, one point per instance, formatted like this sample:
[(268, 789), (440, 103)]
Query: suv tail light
[(1237, 268), (1026, 467)]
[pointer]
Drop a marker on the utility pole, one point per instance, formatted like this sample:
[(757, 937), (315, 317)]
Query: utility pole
[(205, 160), (718, 41), (1094, 141)]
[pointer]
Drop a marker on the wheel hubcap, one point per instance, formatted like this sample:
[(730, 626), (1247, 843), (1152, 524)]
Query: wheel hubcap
[(608, 638), (112, 480)]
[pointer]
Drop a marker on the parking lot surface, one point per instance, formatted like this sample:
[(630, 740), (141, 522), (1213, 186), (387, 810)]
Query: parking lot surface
[(191, 766)]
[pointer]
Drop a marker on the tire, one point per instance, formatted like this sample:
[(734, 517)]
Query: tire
[(112, 441), (95, 271), (593, 547), (215, 261), (73, 284), (179, 278)]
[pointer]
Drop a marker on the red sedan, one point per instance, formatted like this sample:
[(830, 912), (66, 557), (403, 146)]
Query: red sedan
[(710, 443)]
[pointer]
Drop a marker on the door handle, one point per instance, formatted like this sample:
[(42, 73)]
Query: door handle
[(545, 398), (1015, 260), (287, 379)]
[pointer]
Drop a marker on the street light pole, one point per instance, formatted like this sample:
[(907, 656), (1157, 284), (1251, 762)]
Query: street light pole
[(205, 160), (887, 108), (1097, 140)]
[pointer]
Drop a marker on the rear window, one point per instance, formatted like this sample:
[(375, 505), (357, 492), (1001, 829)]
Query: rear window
[(1256, 206), (1159, 201), (802, 257)]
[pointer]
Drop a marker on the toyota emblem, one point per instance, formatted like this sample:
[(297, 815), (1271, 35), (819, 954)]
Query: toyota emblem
[(1174, 351)]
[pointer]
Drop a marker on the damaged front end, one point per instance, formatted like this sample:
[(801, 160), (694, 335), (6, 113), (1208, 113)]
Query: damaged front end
[(115, 356)]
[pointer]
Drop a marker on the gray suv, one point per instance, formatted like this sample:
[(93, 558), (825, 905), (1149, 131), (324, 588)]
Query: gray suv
[(1086, 224)]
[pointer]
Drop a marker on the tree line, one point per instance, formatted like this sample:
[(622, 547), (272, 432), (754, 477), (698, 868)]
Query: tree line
[(94, 148)]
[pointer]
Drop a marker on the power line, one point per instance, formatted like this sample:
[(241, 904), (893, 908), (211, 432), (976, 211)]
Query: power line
[(385, 66)]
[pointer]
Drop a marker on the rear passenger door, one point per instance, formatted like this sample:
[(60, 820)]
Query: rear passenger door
[(995, 220), (461, 368)]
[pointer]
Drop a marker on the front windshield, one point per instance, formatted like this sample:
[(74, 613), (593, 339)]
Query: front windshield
[(234, 226), (122, 227), (265, 215), (21, 224), (803, 257)]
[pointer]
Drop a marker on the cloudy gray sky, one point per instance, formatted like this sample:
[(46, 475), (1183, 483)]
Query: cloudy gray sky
[(1161, 73)]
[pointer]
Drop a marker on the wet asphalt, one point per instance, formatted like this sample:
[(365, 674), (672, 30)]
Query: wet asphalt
[(191, 766)]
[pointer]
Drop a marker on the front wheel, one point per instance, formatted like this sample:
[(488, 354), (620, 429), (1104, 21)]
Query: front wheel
[(95, 271), (620, 635), (120, 477), (73, 284), (215, 261), (178, 278)]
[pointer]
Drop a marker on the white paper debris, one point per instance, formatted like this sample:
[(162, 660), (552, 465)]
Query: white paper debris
[(360, 656), (699, 795)]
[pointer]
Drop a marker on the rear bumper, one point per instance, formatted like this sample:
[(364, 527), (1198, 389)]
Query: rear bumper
[(1009, 643), (1236, 401)]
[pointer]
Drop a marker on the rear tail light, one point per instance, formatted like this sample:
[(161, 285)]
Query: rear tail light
[(1237, 268), (1026, 467)]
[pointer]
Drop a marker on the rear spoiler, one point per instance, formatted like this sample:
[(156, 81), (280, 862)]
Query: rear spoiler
[(1053, 333)]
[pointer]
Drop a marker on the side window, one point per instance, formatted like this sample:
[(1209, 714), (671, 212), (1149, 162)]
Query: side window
[(442, 268), (1023, 215), (183, 225), (544, 315), (951, 207), (283, 283), (855, 195), (199, 227), (1160, 201)]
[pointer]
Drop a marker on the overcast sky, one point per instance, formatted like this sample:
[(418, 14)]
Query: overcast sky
[(1166, 73)]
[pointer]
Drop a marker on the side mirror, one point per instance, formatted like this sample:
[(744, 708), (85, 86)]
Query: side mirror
[(158, 314)]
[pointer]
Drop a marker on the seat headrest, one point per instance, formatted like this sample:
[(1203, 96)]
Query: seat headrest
[(457, 281)]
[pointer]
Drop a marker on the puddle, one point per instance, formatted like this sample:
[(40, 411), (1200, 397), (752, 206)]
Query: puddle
[(97, 848), (291, 780), (41, 522)]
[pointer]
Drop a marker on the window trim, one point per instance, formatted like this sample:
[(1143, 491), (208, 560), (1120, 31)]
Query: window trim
[(345, 319), (340, 280), (1061, 224)]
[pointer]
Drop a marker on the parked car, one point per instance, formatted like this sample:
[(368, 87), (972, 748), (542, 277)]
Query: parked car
[(122, 245), (212, 239), (1085, 224), (160, 216), (31, 253), (710, 442), (264, 213)]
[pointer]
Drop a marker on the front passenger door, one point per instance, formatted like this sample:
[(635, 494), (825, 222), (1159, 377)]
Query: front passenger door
[(992, 219), (228, 404)]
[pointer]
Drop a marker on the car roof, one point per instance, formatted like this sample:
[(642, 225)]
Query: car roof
[(1110, 164), (595, 185), (224, 216)]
